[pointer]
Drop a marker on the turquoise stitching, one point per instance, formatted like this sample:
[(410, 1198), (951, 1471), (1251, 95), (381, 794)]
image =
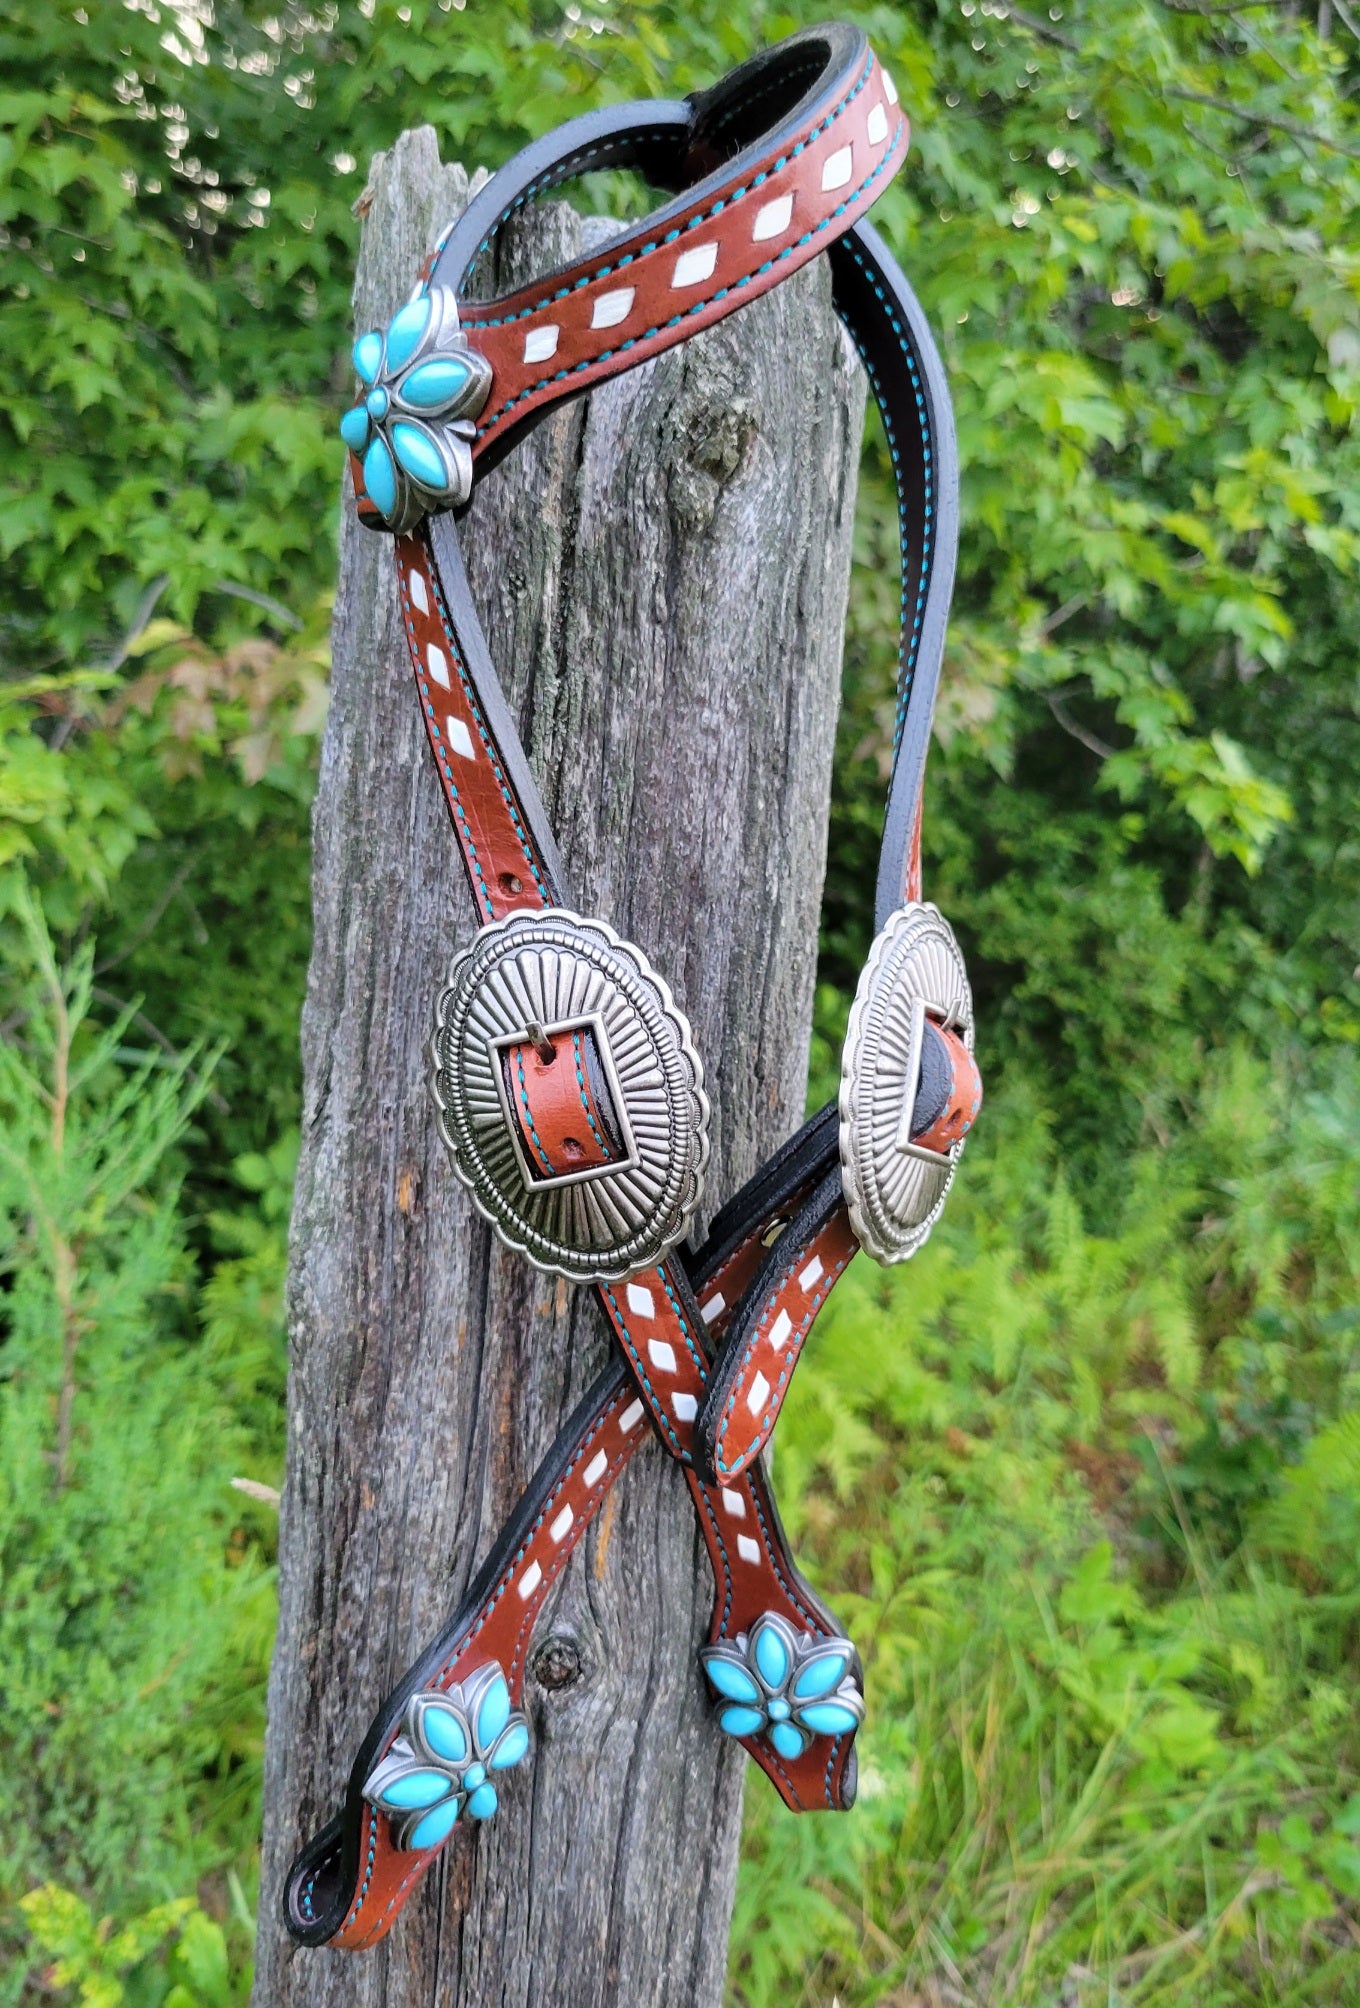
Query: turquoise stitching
[(529, 1115), (692, 223), (694, 1353), (480, 889), (798, 1341), (722, 1550), (640, 1372), (585, 1104), (368, 1872), (699, 306), (826, 1780), (492, 753), (446, 1673)]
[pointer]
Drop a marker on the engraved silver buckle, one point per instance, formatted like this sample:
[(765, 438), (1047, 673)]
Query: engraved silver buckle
[(895, 1189), (561, 972)]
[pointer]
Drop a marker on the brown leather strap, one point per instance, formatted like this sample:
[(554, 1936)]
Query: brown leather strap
[(767, 205), (655, 287), (752, 1573), (504, 865), (561, 1105), (742, 232)]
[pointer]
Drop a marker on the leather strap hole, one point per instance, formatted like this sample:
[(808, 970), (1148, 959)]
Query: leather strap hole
[(510, 885)]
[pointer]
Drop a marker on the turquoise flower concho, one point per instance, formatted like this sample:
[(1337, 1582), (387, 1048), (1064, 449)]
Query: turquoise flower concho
[(785, 1685), (414, 429), (444, 1764)]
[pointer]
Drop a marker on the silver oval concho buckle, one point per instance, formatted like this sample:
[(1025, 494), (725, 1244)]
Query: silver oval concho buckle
[(914, 979), (570, 1095)]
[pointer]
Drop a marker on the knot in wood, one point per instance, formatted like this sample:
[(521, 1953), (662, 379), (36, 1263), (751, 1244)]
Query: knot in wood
[(557, 1663), (723, 445)]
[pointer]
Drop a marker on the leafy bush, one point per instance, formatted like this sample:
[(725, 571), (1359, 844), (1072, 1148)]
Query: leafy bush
[(1106, 1618)]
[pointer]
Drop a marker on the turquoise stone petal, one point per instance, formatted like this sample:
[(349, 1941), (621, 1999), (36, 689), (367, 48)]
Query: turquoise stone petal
[(368, 355), (828, 1718), (404, 330), (380, 478), (512, 1746), (772, 1657), (376, 403), (786, 1739), (435, 1826), (821, 1674), (733, 1681), (419, 455), (354, 429), (742, 1721), (417, 1788), (443, 1732), (483, 1802), (494, 1713), (435, 384)]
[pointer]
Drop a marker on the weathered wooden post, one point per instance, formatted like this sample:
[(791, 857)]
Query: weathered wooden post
[(663, 574)]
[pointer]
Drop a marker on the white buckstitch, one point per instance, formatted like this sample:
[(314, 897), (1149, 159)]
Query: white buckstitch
[(773, 219), (540, 343), (692, 267), (611, 308), (836, 169)]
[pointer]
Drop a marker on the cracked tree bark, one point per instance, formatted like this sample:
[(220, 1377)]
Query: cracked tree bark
[(663, 573)]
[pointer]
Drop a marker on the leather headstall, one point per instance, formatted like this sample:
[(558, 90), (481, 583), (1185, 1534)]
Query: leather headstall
[(568, 1089)]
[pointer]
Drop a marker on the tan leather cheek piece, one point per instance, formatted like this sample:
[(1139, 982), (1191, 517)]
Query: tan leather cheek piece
[(561, 1127), (802, 1285), (751, 1573), (965, 1098), (503, 868), (502, 1632)]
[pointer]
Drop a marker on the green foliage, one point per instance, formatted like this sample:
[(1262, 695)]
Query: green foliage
[(1090, 1467), (98, 1961), (129, 1627), (1111, 1754)]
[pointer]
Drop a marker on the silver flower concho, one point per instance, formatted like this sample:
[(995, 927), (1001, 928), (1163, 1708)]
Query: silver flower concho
[(413, 430), (785, 1685), (445, 1763)]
